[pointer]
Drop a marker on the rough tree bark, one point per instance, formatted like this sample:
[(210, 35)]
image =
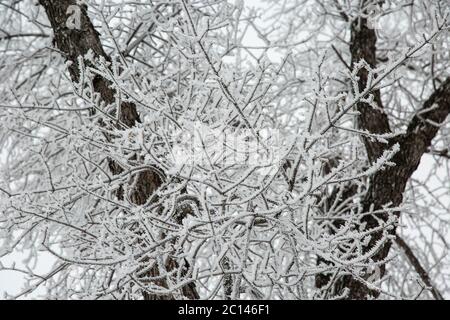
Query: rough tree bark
[(387, 186), (74, 43)]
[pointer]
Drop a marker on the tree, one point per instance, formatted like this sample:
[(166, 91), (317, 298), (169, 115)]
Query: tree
[(185, 150)]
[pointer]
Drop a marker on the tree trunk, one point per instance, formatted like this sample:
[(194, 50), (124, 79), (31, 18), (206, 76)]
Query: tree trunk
[(386, 186), (74, 43)]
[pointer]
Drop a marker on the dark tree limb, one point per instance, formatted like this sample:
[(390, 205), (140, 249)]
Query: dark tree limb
[(418, 267), (341, 10), (363, 48), (445, 153), (387, 186), (75, 43)]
